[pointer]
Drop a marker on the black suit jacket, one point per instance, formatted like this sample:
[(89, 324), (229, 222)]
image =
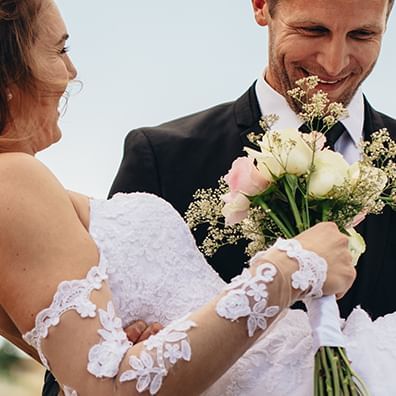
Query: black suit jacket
[(174, 159)]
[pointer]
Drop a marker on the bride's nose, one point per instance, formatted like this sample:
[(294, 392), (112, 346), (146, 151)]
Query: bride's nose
[(71, 68)]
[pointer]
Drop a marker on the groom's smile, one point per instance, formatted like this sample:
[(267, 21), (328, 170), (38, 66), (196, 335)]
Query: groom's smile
[(309, 37)]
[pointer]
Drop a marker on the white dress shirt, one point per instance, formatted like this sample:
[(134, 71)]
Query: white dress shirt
[(271, 102)]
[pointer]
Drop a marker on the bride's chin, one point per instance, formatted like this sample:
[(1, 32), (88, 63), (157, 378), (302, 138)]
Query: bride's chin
[(57, 136), (53, 137)]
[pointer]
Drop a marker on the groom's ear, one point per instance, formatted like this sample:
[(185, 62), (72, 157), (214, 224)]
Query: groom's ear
[(260, 8)]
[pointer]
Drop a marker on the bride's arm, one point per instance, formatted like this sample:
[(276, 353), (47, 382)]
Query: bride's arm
[(81, 206), (9, 331), (43, 243)]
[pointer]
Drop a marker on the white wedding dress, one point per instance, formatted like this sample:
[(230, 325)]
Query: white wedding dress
[(156, 273)]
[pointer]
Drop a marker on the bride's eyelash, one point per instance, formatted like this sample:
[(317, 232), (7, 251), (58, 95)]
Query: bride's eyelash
[(65, 50)]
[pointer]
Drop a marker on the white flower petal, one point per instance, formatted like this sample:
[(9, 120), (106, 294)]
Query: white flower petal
[(175, 337), (143, 383), (136, 363), (262, 323), (272, 311), (128, 375), (146, 359), (186, 350), (260, 306), (156, 384), (252, 326)]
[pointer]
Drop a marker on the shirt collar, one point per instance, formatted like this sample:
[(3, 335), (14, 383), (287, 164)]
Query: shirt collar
[(271, 102)]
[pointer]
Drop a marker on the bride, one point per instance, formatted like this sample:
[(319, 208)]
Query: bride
[(74, 271)]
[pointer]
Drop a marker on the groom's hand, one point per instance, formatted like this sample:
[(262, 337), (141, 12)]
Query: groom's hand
[(139, 331)]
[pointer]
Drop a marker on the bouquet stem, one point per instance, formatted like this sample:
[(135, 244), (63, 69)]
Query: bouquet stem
[(294, 208), (333, 373), (275, 218)]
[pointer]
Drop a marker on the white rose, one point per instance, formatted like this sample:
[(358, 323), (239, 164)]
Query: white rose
[(356, 245), (296, 159), (234, 305), (354, 172), (330, 170), (267, 165)]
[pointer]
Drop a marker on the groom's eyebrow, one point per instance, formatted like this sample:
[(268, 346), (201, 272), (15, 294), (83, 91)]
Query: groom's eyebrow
[(369, 26), (63, 39)]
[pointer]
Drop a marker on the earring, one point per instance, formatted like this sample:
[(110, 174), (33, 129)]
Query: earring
[(9, 95)]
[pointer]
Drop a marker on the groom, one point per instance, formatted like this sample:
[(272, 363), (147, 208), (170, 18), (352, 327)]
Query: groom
[(337, 40)]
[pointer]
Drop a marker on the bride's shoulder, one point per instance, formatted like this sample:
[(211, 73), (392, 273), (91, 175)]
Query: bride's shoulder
[(27, 188), (17, 167)]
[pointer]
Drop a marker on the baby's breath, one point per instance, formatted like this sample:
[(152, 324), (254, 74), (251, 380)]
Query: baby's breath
[(307, 83), (316, 105), (206, 208), (266, 123)]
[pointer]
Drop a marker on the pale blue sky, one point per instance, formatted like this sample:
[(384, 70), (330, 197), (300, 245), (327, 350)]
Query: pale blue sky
[(145, 62)]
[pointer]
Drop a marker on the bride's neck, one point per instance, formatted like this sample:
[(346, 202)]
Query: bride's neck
[(12, 140)]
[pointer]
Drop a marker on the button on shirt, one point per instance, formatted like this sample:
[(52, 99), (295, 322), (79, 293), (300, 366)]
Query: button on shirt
[(271, 102)]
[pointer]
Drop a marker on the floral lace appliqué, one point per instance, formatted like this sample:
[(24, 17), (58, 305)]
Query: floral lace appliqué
[(312, 271), (161, 351), (104, 358), (70, 295), (248, 296)]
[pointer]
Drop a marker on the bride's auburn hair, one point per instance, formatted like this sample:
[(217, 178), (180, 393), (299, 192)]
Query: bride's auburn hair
[(18, 32)]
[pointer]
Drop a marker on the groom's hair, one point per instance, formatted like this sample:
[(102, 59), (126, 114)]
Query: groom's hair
[(18, 31), (273, 3)]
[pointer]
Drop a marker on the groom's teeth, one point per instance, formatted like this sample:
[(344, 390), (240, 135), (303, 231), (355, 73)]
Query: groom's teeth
[(329, 82), (326, 81)]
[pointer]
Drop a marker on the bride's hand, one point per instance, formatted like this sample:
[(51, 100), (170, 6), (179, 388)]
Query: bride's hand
[(328, 242), (139, 331)]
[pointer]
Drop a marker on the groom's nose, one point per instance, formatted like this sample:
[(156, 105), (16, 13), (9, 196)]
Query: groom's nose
[(334, 56)]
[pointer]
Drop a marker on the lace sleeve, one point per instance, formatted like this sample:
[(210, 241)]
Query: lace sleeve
[(94, 356), (81, 340)]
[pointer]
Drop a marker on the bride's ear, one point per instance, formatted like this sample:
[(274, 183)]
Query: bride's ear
[(260, 8), (9, 95)]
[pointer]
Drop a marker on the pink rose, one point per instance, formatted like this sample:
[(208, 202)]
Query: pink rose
[(236, 207), (244, 177)]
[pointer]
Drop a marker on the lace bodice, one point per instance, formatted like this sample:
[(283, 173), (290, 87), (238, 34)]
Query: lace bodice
[(156, 273), (127, 231)]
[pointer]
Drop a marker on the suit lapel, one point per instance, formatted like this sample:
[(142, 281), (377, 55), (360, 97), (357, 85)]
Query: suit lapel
[(247, 116)]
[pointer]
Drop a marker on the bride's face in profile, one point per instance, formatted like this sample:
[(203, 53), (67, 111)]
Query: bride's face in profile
[(53, 69)]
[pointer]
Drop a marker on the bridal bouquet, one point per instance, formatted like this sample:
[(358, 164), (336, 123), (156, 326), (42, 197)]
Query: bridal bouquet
[(290, 182)]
